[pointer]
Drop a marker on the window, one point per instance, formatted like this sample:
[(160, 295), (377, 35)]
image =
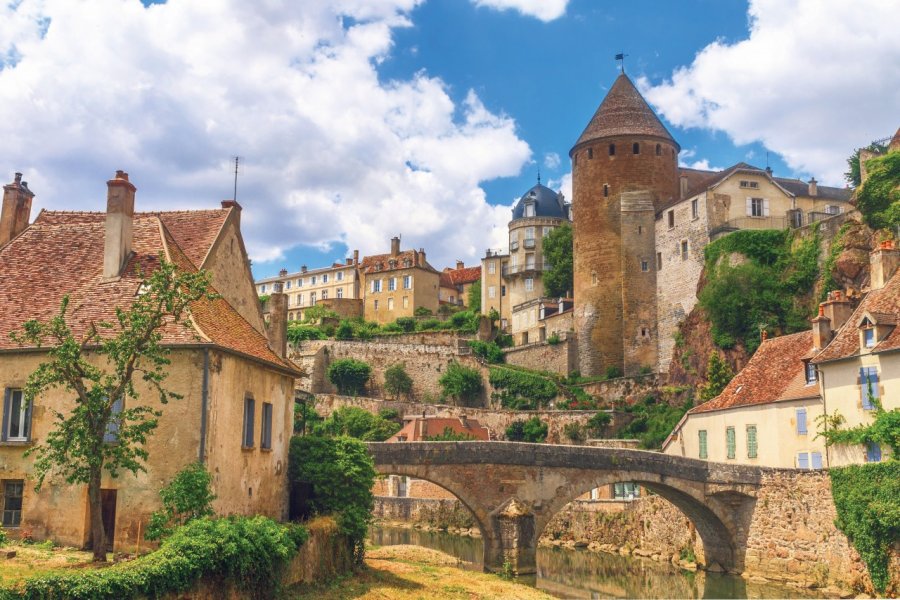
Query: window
[(869, 337), (545, 231), (405, 301), (658, 261), (703, 450), (12, 502), (626, 490), (606, 190), (730, 444), (16, 417), (339, 276), (112, 428), (407, 282), (502, 291), (529, 209), (529, 233), (868, 381), (265, 438), (590, 153), (695, 208), (287, 284), (376, 285), (262, 289), (645, 265), (671, 217), (325, 278), (832, 209), (391, 303), (684, 249), (299, 299), (753, 185), (751, 441), (640, 229), (612, 149), (300, 282), (324, 294), (492, 291), (529, 284), (249, 414), (312, 280), (810, 373), (801, 421), (492, 267), (757, 207), (636, 148), (392, 284), (529, 260), (312, 298), (873, 453), (340, 292), (658, 150)]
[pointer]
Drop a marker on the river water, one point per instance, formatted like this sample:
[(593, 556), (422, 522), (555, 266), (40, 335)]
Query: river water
[(566, 573)]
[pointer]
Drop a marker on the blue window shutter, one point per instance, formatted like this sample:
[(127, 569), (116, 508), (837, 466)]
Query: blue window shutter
[(868, 377), (803, 460), (112, 428), (7, 397), (801, 421), (816, 460), (873, 452)]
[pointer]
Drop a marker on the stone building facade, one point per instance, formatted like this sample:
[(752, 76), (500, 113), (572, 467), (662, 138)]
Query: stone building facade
[(398, 283), (307, 287)]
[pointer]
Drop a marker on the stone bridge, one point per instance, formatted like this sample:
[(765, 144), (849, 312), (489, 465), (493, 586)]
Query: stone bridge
[(514, 489)]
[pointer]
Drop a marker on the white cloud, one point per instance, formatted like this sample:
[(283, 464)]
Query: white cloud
[(563, 184), (545, 10), (552, 160), (330, 153), (814, 80)]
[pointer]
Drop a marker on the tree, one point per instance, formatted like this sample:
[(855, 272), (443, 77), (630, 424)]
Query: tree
[(854, 173), (357, 423), (187, 497), (462, 383), (397, 381), (558, 281), (533, 430), (879, 197), (718, 375), (99, 369), (349, 375), (474, 297)]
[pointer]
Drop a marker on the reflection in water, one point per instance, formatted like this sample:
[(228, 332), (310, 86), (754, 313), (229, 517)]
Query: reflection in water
[(581, 574)]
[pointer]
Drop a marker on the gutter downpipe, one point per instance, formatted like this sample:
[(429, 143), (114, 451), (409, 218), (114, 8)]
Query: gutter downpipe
[(204, 402), (821, 375)]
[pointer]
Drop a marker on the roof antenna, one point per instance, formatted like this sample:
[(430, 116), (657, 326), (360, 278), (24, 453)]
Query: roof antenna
[(621, 57), (237, 161), (539, 177)]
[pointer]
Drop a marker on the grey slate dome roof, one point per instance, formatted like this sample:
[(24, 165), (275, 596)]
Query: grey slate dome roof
[(547, 203)]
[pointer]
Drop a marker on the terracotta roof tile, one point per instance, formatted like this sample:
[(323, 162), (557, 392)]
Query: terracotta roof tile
[(774, 373), (884, 302), (462, 276), (417, 429), (369, 264)]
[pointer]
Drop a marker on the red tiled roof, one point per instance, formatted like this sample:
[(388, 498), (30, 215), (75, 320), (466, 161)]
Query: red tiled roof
[(776, 372), (369, 264), (884, 302), (624, 112), (62, 254), (461, 276), (417, 429), (445, 281)]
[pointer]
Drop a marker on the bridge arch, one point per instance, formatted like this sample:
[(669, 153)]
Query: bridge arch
[(514, 489)]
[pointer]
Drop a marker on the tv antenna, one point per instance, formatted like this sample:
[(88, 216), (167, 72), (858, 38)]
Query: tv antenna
[(237, 162)]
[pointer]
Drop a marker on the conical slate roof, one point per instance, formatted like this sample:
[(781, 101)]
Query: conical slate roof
[(624, 112)]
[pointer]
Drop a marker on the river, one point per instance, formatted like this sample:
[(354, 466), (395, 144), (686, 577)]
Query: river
[(568, 573)]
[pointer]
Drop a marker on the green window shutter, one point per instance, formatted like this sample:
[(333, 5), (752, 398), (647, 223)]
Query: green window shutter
[(703, 452), (751, 441), (729, 440)]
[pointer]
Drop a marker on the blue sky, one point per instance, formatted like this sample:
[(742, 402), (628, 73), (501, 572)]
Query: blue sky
[(359, 120)]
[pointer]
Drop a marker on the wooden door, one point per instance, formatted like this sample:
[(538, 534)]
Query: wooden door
[(108, 511)]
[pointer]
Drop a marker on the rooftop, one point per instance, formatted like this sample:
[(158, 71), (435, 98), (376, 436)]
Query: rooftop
[(547, 203)]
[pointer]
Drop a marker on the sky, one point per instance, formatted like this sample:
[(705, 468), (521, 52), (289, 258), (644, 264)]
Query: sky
[(359, 120)]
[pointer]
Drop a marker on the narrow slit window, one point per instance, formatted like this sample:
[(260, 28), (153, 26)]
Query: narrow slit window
[(612, 149)]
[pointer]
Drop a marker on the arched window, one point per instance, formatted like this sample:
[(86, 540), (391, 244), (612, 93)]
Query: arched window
[(636, 148), (658, 149), (612, 149)]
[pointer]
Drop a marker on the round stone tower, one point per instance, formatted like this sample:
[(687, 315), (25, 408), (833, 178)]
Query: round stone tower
[(624, 168)]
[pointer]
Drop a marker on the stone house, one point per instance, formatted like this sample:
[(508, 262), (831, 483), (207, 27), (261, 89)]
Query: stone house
[(236, 412), (338, 285), (396, 284), (455, 284)]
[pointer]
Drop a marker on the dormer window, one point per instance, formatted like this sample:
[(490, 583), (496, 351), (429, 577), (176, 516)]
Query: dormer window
[(407, 263), (529, 209), (869, 337), (810, 373)]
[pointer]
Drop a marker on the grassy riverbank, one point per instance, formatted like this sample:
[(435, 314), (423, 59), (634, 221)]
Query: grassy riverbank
[(413, 572)]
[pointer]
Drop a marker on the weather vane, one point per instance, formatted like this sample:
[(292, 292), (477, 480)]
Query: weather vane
[(621, 57)]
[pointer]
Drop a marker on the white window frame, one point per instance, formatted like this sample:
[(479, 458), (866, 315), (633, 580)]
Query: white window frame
[(492, 268), (695, 209), (340, 292), (407, 282), (22, 417), (529, 284), (340, 276), (392, 284), (492, 291)]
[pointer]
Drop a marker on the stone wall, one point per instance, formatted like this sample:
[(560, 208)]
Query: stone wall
[(631, 389), (557, 358)]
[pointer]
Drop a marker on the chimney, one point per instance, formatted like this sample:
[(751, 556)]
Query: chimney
[(395, 246), (119, 222), (883, 263), (768, 170), (233, 204), (282, 273), (422, 256), (16, 211), (348, 261), (303, 268), (356, 257), (838, 309), (821, 329), (415, 258), (460, 264), (277, 328), (813, 187), (684, 186)]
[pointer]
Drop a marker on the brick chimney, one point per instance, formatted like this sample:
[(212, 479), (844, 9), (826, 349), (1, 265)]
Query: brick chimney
[(277, 328), (422, 256), (813, 187), (237, 209), (303, 268), (395, 246), (838, 309), (119, 224), (821, 329), (684, 186), (883, 263), (356, 257), (16, 210), (282, 273), (460, 264)]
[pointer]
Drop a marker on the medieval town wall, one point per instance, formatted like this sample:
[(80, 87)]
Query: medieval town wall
[(558, 358)]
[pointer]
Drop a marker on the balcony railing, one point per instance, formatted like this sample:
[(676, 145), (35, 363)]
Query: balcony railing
[(513, 246), (509, 271), (528, 243)]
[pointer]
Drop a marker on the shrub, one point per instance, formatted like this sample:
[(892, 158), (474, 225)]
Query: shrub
[(297, 333), (654, 422), (466, 321), (305, 417), (879, 197), (4, 538), (187, 497), (553, 340), (397, 381), (597, 424), (421, 311), (462, 383), (357, 423), (522, 390), (349, 375), (407, 323), (504, 340), (574, 432), (613, 372), (489, 351), (392, 328), (533, 430), (449, 435), (339, 474), (250, 551), (428, 324), (344, 331), (474, 297)]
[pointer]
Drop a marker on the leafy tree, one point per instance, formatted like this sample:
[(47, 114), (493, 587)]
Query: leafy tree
[(854, 173), (344, 331), (488, 351), (533, 430), (406, 323), (422, 311), (297, 333), (448, 435), (305, 417), (462, 383), (76, 447), (187, 497), (357, 423), (474, 297), (521, 390), (597, 424), (349, 375), (879, 197), (558, 281), (718, 375), (397, 381), (654, 421)]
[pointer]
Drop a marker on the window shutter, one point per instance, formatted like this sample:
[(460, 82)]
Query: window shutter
[(801, 421), (112, 428), (26, 426), (749, 207), (7, 398), (803, 460), (868, 385), (873, 452), (373, 285), (816, 460), (765, 207)]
